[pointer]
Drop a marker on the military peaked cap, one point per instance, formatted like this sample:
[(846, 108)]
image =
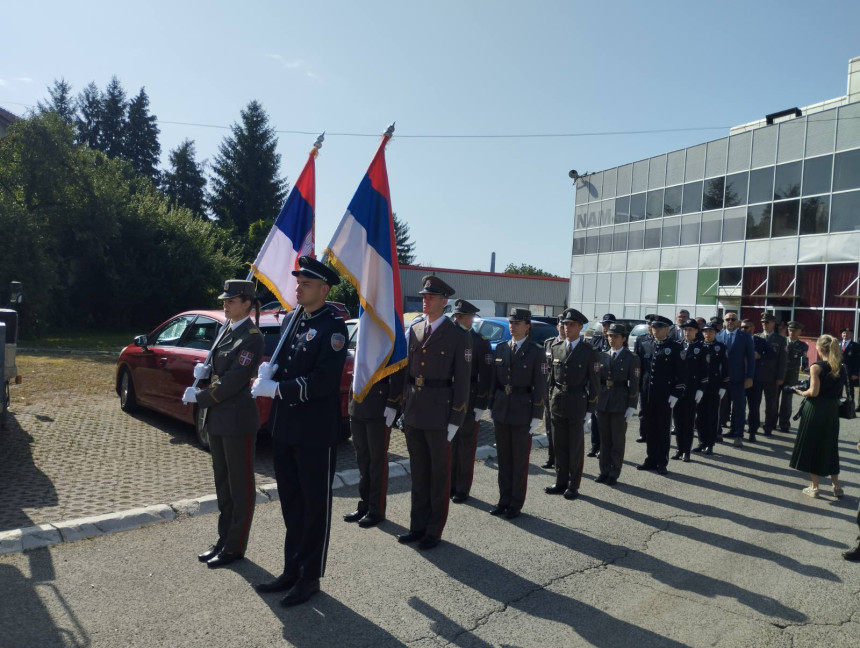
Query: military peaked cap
[(520, 315), (433, 285), (573, 315), (238, 288), (464, 307)]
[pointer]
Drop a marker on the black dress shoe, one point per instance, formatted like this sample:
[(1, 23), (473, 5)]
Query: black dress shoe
[(853, 555), (512, 513), (699, 448), (592, 453), (498, 509), (612, 481), (459, 498), (709, 450), (210, 553), (301, 592), (554, 490), (644, 466), (678, 455), (767, 432), (661, 470), (752, 438), (571, 494), (355, 516), (428, 542), (224, 558), (785, 429), (548, 464), (281, 584), (370, 520), (640, 439), (686, 457), (411, 536), (601, 478)]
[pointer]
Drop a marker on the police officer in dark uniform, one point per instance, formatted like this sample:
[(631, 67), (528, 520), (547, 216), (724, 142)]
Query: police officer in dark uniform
[(763, 352), (796, 352), (438, 382), (465, 442), (547, 414), (644, 350), (516, 406), (708, 409), (616, 404), (695, 359), (600, 342), (304, 381), (664, 388), (233, 420), (575, 375), (370, 422), (773, 372)]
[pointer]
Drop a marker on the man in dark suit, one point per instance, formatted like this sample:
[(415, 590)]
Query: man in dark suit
[(547, 417), (438, 382), (465, 442), (676, 331), (600, 342), (850, 356), (773, 371), (304, 381), (575, 387), (741, 367), (619, 393)]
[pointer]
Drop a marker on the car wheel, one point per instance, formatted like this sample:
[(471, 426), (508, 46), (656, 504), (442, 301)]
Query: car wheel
[(127, 400), (202, 428)]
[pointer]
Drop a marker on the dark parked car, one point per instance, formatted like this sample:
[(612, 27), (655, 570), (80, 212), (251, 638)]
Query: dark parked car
[(154, 370), (496, 329)]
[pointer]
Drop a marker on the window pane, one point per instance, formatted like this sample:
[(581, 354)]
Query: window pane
[(593, 214), (715, 161), (654, 207), (816, 175), (578, 243), (820, 132), (637, 207), (814, 213), (787, 181), (609, 178), (619, 238), (692, 197), (666, 286), (671, 231), (672, 200), (846, 170), (607, 212), (734, 224), (739, 152), (845, 212), (690, 229), (764, 146), (712, 224), (657, 172), (605, 238), (695, 163), (675, 167), (848, 127), (580, 221), (640, 175), (761, 185), (758, 221), (736, 189), (591, 242), (622, 209), (636, 236), (791, 134), (652, 234), (714, 189), (785, 215), (625, 178)]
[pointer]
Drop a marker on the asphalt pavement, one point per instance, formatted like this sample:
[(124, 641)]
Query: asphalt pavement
[(724, 551)]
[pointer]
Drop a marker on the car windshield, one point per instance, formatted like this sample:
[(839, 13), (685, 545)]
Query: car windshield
[(490, 330), (639, 329), (541, 333)]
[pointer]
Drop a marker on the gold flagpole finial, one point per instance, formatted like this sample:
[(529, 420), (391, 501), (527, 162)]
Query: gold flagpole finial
[(318, 144)]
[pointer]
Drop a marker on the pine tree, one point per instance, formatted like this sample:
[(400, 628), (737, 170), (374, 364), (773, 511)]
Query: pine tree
[(89, 118), (141, 137), (114, 119), (61, 101), (184, 182), (405, 247), (246, 186)]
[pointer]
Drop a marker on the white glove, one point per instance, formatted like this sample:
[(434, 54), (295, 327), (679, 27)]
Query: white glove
[(265, 388), (390, 414), (699, 395), (533, 425), (266, 370), (672, 401), (587, 418), (722, 392), (202, 371), (586, 429), (479, 413), (190, 395), (452, 430), (628, 414)]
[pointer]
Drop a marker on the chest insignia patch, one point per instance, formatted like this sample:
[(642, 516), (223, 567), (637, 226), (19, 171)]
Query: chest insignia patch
[(543, 368), (696, 351), (337, 340), (596, 367), (311, 335), (667, 351), (246, 358), (468, 354), (488, 358), (636, 372)]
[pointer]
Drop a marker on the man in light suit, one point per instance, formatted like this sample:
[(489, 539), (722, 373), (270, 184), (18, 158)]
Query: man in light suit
[(741, 366)]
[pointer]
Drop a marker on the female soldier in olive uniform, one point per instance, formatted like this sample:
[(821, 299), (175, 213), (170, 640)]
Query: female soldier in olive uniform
[(516, 406), (233, 421)]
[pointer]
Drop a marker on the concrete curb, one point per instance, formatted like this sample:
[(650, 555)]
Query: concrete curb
[(45, 535)]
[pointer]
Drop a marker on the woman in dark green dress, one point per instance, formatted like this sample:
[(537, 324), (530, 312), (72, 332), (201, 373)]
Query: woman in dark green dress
[(816, 449)]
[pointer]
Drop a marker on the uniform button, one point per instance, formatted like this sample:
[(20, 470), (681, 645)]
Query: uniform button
[(422, 364), (302, 324)]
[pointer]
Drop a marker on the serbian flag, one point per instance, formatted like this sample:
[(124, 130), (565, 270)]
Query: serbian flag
[(364, 252), (292, 236)]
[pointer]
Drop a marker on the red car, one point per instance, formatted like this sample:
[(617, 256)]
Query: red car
[(155, 369)]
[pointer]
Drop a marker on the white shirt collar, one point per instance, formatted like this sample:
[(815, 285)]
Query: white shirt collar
[(518, 344), (435, 323), (235, 325)]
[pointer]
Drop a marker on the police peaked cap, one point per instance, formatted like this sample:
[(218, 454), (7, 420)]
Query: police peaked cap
[(464, 307), (617, 329), (310, 267), (690, 323), (238, 288), (608, 318), (659, 320), (573, 315), (433, 285), (709, 326)]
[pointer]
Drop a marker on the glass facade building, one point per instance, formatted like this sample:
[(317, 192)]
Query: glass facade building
[(767, 219)]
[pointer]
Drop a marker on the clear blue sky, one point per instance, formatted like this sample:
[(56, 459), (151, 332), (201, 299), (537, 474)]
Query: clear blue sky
[(446, 68)]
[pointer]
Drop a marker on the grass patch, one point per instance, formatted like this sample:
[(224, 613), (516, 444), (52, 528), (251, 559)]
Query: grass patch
[(90, 340)]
